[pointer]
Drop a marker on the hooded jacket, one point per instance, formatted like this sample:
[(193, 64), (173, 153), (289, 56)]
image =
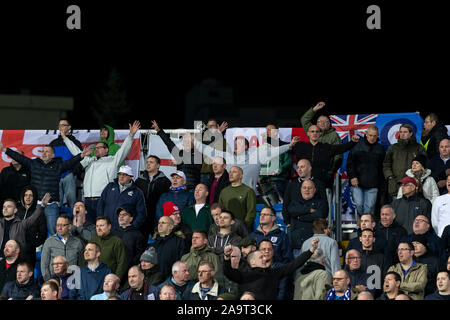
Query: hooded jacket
[(310, 281), (45, 176), (365, 162), (13, 181), (112, 147), (134, 243), (112, 199), (398, 159), (301, 218), (37, 233), (282, 251), (429, 187), (53, 246), (219, 241)]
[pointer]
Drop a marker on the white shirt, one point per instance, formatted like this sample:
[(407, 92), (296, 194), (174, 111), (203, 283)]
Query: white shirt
[(198, 207), (440, 213)]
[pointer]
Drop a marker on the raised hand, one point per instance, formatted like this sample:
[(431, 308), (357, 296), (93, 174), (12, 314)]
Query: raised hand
[(155, 126), (223, 126), (355, 138), (134, 128), (45, 199), (314, 244), (319, 106)]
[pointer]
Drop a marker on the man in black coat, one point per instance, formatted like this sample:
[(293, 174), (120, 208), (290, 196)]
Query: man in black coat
[(37, 233), (433, 132), (422, 255), (439, 165), (218, 180), (190, 160), (302, 212), (23, 287), (170, 246), (365, 171), (153, 183), (45, 176), (13, 179), (132, 238), (8, 264), (260, 279), (320, 154)]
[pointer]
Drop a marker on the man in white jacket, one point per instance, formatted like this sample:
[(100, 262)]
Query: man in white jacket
[(101, 169), (440, 212)]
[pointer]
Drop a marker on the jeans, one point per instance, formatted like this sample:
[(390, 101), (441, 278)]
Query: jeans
[(91, 207), (68, 188), (364, 199), (51, 215)]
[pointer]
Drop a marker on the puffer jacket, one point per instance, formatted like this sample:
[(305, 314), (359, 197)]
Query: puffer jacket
[(398, 159), (429, 187), (53, 246), (45, 176)]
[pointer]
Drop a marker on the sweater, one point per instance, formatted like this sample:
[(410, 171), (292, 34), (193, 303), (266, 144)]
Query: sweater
[(240, 200)]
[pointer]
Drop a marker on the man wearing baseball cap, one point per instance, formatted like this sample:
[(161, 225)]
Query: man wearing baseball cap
[(122, 192), (178, 194), (410, 205)]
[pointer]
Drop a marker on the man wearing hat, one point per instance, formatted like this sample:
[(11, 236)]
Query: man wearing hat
[(132, 238), (424, 256), (411, 204), (172, 211), (426, 184), (150, 267), (178, 194), (122, 192)]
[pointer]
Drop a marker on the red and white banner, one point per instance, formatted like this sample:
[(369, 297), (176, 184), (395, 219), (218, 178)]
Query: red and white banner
[(31, 142)]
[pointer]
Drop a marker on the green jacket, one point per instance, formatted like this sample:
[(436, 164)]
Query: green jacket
[(202, 221), (398, 159), (113, 253), (112, 147), (195, 256), (415, 281), (330, 136), (241, 201)]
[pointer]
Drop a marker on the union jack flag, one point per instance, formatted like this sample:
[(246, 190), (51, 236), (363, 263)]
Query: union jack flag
[(348, 125)]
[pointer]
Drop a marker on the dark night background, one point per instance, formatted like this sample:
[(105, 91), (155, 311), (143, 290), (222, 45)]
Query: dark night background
[(270, 54)]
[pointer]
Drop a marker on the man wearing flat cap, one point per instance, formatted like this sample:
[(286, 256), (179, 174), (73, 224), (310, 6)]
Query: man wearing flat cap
[(410, 205), (122, 192)]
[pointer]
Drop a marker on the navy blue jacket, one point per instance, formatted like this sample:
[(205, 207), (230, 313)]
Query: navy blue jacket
[(20, 291), (112, 199), (301, 218), (150, 293), (45, 177), (169, 250), (282, 251), (91, 282)]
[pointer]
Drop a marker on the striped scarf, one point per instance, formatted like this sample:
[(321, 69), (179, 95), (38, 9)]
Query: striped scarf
[(332, 295)]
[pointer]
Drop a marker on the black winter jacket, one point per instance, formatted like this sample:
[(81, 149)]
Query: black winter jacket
[(12, 182), (45, 176), (134, 242), (169, 250), (190, 169), (435, 136), (365, 162), (407, 209), (18, 291), (224, 181)]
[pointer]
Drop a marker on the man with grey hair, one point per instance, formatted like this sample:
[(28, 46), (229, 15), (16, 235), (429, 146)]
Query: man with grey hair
[(180, 279), (312, 278), (111, 286), (389, 230)]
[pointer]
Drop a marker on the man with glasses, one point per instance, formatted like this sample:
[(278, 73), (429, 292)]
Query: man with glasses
[(320, 154), (328, 133), (358, 276), (62, 243), (101, 169), (413, 274), (410, 205), (341, 288), (60, 266), (170, 246), (422, 226), (268, 229), (207, 288)]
